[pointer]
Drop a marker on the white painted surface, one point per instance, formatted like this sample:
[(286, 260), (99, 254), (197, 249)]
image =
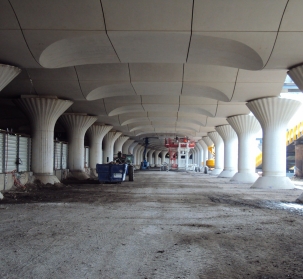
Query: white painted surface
[(109, 141), (219, 149)]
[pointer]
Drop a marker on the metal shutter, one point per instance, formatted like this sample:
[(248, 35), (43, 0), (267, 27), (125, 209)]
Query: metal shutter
[(2, 152), (23, 156), (64, 155), (11, 153), (57, 155)]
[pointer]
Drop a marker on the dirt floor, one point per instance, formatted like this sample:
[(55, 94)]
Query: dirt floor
[(163, 225)]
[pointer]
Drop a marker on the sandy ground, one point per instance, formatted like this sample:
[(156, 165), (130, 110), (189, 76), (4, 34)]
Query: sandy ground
[(163, 225)]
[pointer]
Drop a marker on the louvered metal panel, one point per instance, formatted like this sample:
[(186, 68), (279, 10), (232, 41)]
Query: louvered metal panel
[(23, 154), (2, 152), (11, 152), (57, 155), (64, 155)]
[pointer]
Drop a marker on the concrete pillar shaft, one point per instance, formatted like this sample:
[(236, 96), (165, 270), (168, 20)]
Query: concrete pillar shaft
[(43, 114), (273, 115), (119, 143), (150, 156), (219, 152), (131, 147), (96, 133), (208, 143), (109, 141), (126, 145), (156, 156), (76, 125), (205, 152), (163, 154), (230, 140), (201, 153)]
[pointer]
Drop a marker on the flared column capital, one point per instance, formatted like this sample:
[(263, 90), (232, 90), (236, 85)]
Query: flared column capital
[(244, 124), (112, 136), (98, 131), (203, 144), (207, 141), (296, 74), (121, 140), (215, 137), (79, 122), (273, 111), (226, 132), (43, 111), (7, 74)]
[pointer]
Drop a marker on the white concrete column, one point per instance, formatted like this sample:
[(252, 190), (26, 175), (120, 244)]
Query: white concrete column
[(230, 140), (96, 133), (43, 114), (109, 141), (131, 147), (208, 142), (201, 153), (273, 115), (140, 155), (163, 154), (205, 152), (119, 143), (246, 127), (219, 152), (7, 74), (194, 153), (147, 150), (150, 156), (135, 153), (126, 145), (156, 156), (76, 125)]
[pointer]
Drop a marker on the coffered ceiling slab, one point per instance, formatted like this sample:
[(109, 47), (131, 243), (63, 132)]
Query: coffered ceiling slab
[(150, 47), (226, 110), (158, 88)]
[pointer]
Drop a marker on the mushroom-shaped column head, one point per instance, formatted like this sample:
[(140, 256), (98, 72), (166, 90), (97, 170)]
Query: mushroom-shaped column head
[(76, 125), (296, 74), (219, 152), (109, 141), (156, 156), (246, 127), (126, 145), (96, 133), (209, 143), (119, 143), (273, 115), (230, 140), (150, 156), (43, 114), (163, 154), (132, 147), (7, 74)]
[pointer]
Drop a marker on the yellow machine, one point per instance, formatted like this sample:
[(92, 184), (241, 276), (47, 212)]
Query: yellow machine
[(211, 162)]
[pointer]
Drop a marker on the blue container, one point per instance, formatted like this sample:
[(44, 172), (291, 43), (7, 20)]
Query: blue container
[(111, 173)]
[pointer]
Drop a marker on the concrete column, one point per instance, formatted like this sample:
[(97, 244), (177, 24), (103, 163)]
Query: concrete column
[(76, 125), (156, 156), (299, 158), (119, 143), (201, 152), (205, 152), (230, 140), (126, 146), (194, 153), (208, 142), (150, 156), (163, 154), (7, 74), (246, 127), (131, 147), (43, 114), (219, 152), (273, 115), (96, 133), (136, 149), (109, 141), (140, 155)]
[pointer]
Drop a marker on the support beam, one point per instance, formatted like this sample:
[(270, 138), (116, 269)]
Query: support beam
[(96, 133), (43, 114), (273, 115), (246, 127), (76, 125), (230, 140), (109, 141), (219, 152)]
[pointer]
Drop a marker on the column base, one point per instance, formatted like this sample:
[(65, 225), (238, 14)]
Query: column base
[(93, 173), (227, 173), (216, 171), (80, 175), (241, 177), (273, 182), (45, 179)]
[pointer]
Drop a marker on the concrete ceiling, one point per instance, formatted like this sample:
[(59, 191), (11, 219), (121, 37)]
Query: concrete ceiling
[(151, 67)]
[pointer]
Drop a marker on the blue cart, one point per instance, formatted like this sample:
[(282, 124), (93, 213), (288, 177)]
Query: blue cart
[(110, 173)]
